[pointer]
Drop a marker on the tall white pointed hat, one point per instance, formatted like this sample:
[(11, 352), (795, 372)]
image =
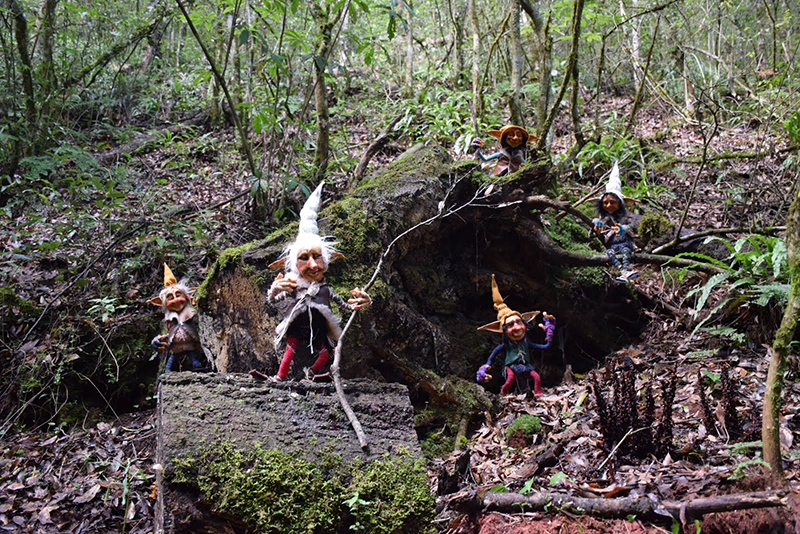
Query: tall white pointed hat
[(614, 187), (308, 235)]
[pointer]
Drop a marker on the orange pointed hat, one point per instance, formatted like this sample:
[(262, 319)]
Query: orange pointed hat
[(503, 311), (169, 278), (505, 130)]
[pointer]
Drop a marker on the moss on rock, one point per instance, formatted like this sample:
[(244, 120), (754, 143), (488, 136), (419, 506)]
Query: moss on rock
[(276, 492)]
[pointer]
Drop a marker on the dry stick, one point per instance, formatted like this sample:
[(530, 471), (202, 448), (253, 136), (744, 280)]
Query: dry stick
[(639, 505), (706, 142), (767, 230), (337, 352), (630, 432)]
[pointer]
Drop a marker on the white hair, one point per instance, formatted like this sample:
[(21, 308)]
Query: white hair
[(181, 286)]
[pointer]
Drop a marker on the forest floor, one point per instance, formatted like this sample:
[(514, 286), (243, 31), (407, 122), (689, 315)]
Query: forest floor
[(99, 476)]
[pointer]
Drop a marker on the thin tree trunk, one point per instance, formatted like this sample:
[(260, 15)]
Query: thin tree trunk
[(781, 345), (577, 13), (324, 26), (516, 66), (21, 35), (408, 85), (637, 101), (477, 94)]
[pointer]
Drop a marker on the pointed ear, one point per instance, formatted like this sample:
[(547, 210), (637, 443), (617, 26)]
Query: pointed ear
[(156, 301), (495, 133), (192, 293), (279, 264), (336, 256)]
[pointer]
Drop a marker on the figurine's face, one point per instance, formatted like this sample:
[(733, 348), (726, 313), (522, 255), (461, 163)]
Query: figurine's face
[(175, 300), (514, 138), (610, 204), (515, 328), (311, 264)]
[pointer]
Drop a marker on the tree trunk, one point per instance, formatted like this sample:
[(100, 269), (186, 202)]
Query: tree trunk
[(408, 85), (21, 35), (781, 345), (324, 26), (477, 94), (544, 56), (457, 18), (516, 66), (577, 13)]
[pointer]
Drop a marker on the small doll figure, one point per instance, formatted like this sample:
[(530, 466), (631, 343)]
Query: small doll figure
[(308, 323), (181, 340), (513, 355), (513, 145), (614, 225)]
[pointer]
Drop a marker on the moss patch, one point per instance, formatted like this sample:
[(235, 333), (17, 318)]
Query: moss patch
[(572, 237), (653, 227), (277, 492), (526, 424), (434, 160), (227, 257)]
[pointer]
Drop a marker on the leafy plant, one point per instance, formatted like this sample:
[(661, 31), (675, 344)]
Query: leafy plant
[(755, 272)]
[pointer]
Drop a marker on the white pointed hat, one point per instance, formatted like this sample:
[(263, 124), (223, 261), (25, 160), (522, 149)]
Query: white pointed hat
[(614, 187)]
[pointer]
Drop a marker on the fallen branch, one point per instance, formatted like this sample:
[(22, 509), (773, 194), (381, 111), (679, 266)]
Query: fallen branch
[(373, 149), (767, 230), (638, 505)]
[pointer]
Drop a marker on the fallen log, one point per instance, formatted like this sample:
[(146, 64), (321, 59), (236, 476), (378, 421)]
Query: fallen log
[(472, 500)]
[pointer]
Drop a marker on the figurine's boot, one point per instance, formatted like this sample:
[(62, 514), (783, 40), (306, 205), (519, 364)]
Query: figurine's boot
[(509, 382), (322, 359), (288, 355), (537, 383)]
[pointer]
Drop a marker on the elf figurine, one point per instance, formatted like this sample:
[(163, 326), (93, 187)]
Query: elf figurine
[(513, 355), (309, 324), (614, 225), (181, 341), (513, 146)]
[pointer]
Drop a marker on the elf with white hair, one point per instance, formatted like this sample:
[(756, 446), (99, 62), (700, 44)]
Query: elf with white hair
[(181, 339), (513, 355), (615, 226), (308, 323)]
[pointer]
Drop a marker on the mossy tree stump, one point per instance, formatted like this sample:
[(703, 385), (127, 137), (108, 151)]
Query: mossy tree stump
[(434, 287)]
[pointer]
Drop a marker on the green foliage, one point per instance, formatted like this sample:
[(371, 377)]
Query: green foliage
[(104, 308), (609, 149), (755, 272), (277, 492)]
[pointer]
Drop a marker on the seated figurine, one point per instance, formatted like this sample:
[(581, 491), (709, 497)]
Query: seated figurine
[(308, 323), (513, 146), (615, 226), (181, 341), (513, 355)]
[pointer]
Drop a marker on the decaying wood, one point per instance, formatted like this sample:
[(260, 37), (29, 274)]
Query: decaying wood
[(373, 149), (638, 505)]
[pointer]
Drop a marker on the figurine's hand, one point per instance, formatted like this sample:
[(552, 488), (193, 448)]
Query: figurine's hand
[(549, 321), (620, 230), (282, 284), (597, 225), (160, 342), (482, 375), (476, 144), (361, 299)]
